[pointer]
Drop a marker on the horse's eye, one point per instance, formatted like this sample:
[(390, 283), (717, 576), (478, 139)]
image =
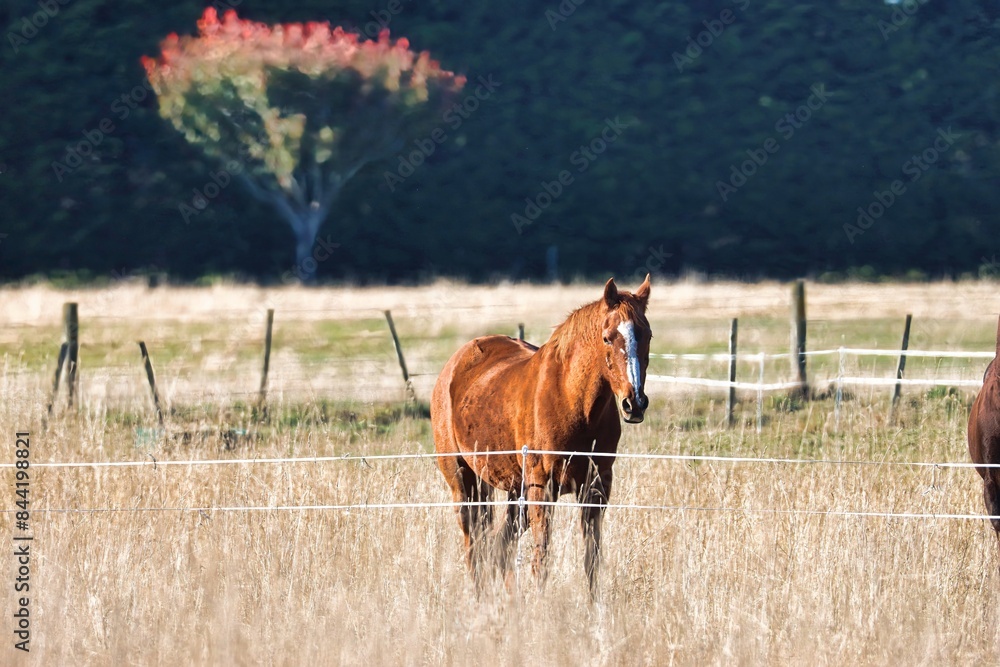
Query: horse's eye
[(607, 341)]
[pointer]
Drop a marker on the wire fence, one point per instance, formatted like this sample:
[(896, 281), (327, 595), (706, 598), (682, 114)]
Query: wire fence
[(368, 371), (841, 379), (376, 374), (522, 502)]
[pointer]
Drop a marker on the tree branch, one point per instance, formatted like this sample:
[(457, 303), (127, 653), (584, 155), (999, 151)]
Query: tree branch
[(317, 182), (279, 201)]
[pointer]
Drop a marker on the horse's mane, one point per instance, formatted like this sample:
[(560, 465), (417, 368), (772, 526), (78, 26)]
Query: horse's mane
[(586, 321)]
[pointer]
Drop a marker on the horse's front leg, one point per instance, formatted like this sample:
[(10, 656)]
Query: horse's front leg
[(594, 494), (538, 491)]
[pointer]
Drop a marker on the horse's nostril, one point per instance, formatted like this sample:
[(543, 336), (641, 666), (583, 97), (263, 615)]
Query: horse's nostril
[(627, 406), (643, 402)]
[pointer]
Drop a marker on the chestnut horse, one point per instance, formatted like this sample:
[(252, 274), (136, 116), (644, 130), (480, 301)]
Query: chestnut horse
[(984, 436), (501, 394)]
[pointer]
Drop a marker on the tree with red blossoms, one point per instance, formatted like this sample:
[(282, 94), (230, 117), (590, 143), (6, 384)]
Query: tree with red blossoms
[(295, 110)]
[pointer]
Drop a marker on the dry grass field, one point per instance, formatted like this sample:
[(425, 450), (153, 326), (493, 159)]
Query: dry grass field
[(731, 571)]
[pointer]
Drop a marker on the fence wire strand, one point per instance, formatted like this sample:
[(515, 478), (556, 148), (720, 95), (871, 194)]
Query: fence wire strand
[(208, 509), (363, 458)]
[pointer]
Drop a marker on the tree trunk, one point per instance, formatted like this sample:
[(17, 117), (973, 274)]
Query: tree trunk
[(305, 221), (306, 262)]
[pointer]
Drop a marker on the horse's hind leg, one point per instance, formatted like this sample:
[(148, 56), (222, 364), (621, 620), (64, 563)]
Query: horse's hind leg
[(481, 518), (595, 492), (991, 494), (473, 520), (507, 533)]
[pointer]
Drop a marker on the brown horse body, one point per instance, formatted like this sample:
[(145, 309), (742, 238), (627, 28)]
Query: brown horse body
[(499, 394), (984, 436)]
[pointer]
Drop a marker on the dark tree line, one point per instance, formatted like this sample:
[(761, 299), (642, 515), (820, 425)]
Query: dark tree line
[(752, 138)]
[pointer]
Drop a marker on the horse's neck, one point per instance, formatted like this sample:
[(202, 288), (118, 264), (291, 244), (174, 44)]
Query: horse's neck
[(582, 384)]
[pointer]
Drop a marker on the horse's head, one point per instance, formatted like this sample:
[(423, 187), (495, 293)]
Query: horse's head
[(626, 335)]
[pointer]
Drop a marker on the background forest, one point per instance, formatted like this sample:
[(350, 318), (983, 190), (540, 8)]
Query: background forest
[(746, 138)]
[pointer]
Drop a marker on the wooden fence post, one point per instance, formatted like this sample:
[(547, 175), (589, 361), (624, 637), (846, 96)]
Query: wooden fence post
[(267, 356), (901, 366), (799, 336), (152, 381), (520, 330), (731, 402), (72, 323), (55, 382), (399, 354)]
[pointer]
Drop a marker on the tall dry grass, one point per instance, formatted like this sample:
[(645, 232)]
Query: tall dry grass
[(724, 581)]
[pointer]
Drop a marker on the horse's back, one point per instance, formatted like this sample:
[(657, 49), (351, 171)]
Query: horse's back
[(472, 392)]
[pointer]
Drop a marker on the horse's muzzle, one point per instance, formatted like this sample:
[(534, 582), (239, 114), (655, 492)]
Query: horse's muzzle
[(633, 410)]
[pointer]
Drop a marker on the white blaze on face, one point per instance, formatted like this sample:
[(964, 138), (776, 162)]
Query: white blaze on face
[(631, 352)]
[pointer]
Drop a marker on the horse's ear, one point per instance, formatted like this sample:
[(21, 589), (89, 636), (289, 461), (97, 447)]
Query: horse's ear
[(642, 294), (610, 294)]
